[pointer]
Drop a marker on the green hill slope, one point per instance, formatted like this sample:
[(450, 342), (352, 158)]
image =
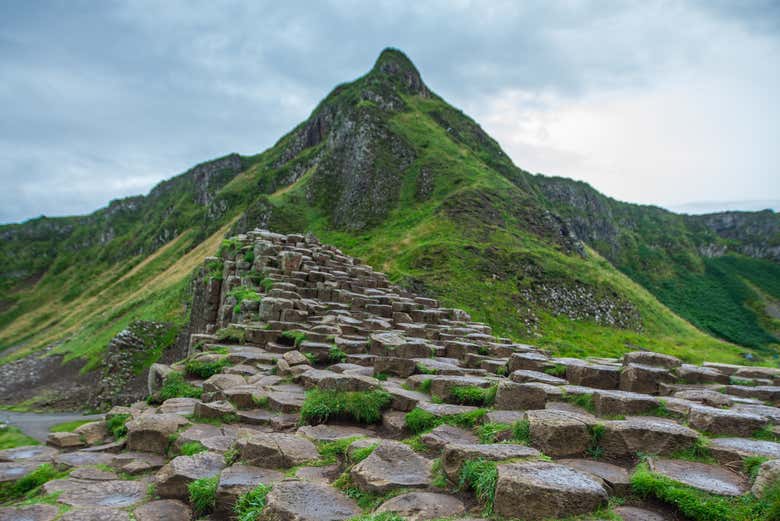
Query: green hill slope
[(389, 172)]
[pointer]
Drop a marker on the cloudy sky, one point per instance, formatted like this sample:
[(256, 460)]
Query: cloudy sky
[(669, 103)]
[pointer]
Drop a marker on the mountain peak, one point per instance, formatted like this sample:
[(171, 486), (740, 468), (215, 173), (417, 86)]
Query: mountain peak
[(396, 65)]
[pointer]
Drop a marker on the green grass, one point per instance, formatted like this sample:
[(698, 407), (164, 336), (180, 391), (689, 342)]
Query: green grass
[(521, 432), (242, 293), (205, 369), (175, 386), (488, 432), (472, 395), (581, 400), (250, 506), (293, 337), (359, 455), (697, 452), (332, 451), (116, 425), (595, 433), (336, 355), (418, 420), (231, 456), (558, 370), (363, 407), (232, 334), (751, 465), (701, 506), (12, 437), (68, 426), (203, 495), (29, 485), (481, 477), (191, 448)]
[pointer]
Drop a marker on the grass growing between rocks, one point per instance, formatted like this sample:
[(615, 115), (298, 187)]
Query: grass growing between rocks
[(331, 451), (116, 425), (293, 337), (419, 420), (581, 400), (698, 452), (701, 506), (489, 432), (596, 432), (175, 386), (203, 495), (204, 369), (69, 426), (29, 485), (751, 464), (249, 506), (12, 437), (472, 395), (320, 406), (191, 448), (232, 334), (480, 476)]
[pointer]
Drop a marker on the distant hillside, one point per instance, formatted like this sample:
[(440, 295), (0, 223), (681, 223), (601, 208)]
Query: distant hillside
[(388, 171)]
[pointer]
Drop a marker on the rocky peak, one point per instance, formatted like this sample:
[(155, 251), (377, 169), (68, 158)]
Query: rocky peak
[(397, 66)]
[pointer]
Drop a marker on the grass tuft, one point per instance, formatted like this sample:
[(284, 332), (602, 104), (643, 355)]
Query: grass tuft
[(419, 420), (362, 407), (203, 494), (175, 386), (250, 506), (116, 425), (480, 476), (191, 448), (204, 369)]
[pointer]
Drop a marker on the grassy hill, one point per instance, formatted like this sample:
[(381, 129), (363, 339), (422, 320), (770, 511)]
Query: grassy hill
[(389, 172)]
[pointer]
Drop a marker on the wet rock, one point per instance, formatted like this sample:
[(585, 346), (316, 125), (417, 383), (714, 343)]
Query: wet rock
[(114, 494), (136, 462), (418, 506), (93, 474), (725, 421), (96, 514), (616, 478), (729, 451), (29, 453), (13, 470), (324, 432), (163, 510), (640, 514), (29, 513), (539, 490), (275, 450), (172, 480), (455, 455), (391, 465), (81, 458), (708, 478), (306, 501)]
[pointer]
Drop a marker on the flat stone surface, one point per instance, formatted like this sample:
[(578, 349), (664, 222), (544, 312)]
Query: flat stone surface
[(81, 458), (29, 513), (446, 434), (11, 471), (626, 438), (114, 494), (730, 450), (709, 478), (526, 375), (618, 478), (93, 474), (239, 479), (275, 450), (537, 490), (136, 462), (29, 452), (305, 501), (324, 432), (96, 514), (418, 506), (163, 510), (391, 465), (725, 421), (559, 433)]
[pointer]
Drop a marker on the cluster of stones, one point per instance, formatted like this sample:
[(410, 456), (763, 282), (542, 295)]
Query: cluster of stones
[(421, 354)]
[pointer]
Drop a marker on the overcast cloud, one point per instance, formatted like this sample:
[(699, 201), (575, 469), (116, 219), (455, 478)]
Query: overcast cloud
[(665, 103)]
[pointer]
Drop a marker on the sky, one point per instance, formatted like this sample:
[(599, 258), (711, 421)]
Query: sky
[(667, 103)]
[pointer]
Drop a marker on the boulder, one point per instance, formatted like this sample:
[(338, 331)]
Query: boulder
[(237, 480), (515, 396), (626, 438), (597, 376), (537, 490), (731, 451), (712, 479), (768, 474), (391, 465), (151, 432), (559, 433), (446, 434), (65, 440), (214, 410), (275, 450), (172, 480), (643, 378), (222, 381), (616, 403), (617, 479), (307, 501)]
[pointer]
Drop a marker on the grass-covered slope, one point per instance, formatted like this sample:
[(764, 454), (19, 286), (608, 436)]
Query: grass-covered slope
[(696, 265), (386, 170)]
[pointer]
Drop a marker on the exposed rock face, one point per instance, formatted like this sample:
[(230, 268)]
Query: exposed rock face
[(418, 506), (302, 501), (172, 480), (391, 465), (540, 490)]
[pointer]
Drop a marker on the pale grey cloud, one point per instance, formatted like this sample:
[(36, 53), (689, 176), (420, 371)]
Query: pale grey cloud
[(663, 102)]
